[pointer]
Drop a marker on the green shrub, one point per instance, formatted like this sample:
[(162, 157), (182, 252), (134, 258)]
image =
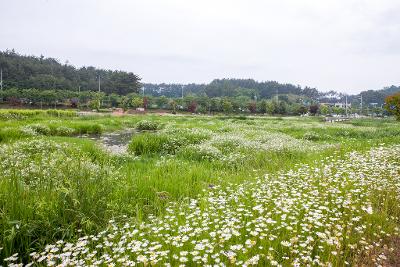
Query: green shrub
[(61, 113), (47, 184), (88, 128), (147, 143), (147, 125), (166, 142), (64, 131), (36, 129), (16, 114), (311, 136)]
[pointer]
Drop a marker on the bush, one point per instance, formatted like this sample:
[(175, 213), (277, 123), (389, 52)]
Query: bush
[(45, 183), (36, 129), (64, 131), (88, 128), (15, 114), (147, 143), (201, 152), (61, 113), (166, 142), (146, 125), (311, 136)]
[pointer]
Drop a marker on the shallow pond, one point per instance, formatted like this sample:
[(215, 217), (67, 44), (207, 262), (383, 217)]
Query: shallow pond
[(115, 142)]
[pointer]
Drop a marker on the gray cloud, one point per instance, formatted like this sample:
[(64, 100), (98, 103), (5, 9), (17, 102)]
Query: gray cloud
[(345, 45)]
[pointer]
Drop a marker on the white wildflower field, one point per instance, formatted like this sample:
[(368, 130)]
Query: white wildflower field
[(202, 191), (310, 216)]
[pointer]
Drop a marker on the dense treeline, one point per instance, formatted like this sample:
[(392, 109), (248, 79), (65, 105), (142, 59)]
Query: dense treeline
[(42, 73), (230, 88), (282, 104), (265, 90), (55, 84)]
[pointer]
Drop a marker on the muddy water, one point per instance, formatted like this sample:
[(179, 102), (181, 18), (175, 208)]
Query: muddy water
[(116, 142)]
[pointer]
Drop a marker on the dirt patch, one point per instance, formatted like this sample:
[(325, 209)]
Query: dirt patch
[(386, 255)]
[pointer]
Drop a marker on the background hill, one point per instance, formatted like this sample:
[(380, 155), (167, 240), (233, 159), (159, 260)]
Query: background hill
[(21, 72)]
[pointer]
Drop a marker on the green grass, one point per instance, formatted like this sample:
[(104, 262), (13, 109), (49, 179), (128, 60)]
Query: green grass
[(77, 188)]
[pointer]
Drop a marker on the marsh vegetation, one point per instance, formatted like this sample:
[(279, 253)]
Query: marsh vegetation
[(195, 190)]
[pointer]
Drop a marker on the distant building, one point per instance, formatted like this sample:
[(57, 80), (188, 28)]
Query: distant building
[(337, 105), (327, 104), (373, 104), (342, 105)]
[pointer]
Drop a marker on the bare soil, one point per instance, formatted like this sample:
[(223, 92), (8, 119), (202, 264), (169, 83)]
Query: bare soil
[(386, 255)]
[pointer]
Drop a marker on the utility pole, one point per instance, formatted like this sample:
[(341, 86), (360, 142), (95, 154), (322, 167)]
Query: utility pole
[(1, 79), (79, 89), (99, 82), (347, 115), (361, 102), (1, 84), (182, 91)]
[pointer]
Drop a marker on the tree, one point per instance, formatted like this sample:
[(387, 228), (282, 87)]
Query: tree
[(271, 107), (392, 105), (227, 106), (262, 106), (125, 103), (324, 109), (172, 105), (137, 102), (302, 110), (252, 106), (192, 106), (145, 102), (97, 98), (162, 102), (282, 108), (313, 109), (216, 104), (42, 73)]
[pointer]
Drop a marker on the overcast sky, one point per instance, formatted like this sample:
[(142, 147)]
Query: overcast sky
[(344, 45)]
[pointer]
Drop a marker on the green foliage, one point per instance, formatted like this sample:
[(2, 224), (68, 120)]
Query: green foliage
[(36, 129), (51, 187), (67, 190), (165, 142), (137, 102), (312, 136), (227, 106), (15, 114), (146, 125), (392, 105), (324, 110), (21, 71), (148, 143)]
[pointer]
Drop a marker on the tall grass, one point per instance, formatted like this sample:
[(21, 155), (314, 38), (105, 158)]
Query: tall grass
[(62, 187)]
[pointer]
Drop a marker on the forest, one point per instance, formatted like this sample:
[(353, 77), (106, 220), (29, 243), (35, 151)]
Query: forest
[(23, 72), (40, 81)]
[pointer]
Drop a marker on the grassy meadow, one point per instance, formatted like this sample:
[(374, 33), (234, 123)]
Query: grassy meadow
[(196, 190)]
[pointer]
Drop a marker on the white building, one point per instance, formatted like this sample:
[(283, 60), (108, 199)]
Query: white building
[(342, 105)]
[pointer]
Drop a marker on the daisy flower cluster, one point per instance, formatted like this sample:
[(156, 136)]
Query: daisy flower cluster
[(35, 163), (322, 215)]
